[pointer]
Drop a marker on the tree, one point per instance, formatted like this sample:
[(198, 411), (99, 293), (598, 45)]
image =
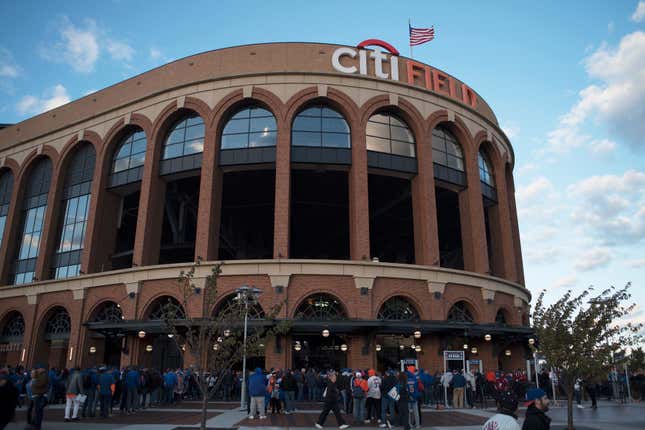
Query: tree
[(215, 339), (579, 334)]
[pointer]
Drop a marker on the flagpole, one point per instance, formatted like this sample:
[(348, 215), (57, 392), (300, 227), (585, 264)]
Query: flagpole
[(409, 41)]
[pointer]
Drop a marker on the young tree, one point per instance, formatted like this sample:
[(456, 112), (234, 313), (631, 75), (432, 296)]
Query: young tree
[(578, 334), (215, 341)]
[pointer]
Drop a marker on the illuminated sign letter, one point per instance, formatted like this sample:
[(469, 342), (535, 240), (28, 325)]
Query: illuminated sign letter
[(335, 60)]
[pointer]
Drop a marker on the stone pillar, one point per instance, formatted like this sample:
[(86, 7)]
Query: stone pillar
[(282, 190), (359, 225), (210, 199), (473, 228)]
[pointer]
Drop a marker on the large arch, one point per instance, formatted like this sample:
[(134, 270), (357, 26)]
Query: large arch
[(159, 350), (52, 339), (462, 311), (12, 333), (320, 306), (103, 347), (398, 308)]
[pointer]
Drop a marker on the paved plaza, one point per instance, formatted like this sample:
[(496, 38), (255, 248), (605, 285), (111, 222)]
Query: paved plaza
[(223, 415)]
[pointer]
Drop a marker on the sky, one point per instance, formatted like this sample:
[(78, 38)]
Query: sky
[(565, 79)]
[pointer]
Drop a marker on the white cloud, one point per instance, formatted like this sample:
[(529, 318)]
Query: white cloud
[(511, 130), (602, 146), (636, 264), (8, 68), (617, 99), (120, 51), (611, 207), (525, 169), (563, 282), (155, 54), (77, 46), (52, 98), (536, 189), (639, 13), (541, 254), (593, 259)]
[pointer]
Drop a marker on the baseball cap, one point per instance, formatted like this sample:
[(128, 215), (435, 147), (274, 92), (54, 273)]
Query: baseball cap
[(534, 394)]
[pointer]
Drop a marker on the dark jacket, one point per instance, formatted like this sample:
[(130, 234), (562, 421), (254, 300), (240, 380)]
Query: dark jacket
[(388, 382), (257, 384), (331, 395), (288, 382), (105, 381), (536, 419)]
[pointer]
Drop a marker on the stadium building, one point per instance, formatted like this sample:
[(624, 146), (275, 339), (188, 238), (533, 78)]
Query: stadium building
[(371, 194)]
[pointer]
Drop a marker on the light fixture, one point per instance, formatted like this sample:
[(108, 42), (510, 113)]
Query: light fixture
[(215, 347), (220, 340), (183, 347), (378, 347), (417, 348), (71, 353), (487, 337), (474, 350), (149, 348), (22, 356), (413, 346), (401, 347), (297, 347), (261, 345), (122, 317), (508, 352), (118, 305), (142, 334), (343, 347), (92, 350), (417, 334), (170, 335), (465, 346), (325, 333), (227, 333), (531, 341)]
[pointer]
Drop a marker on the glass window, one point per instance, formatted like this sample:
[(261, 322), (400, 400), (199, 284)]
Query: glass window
[(320, 126), (389, 134), (248, 128), (131, 153), (446, 151), (185, 138), (485, 171)]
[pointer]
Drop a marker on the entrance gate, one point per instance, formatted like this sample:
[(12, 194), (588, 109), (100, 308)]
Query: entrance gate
[(453, 360)]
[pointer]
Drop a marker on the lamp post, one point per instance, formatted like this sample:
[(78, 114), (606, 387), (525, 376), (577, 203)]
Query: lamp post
[(246, 294)]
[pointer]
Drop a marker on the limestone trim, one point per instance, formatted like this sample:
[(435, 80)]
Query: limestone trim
[(274, 268), (364, 282)]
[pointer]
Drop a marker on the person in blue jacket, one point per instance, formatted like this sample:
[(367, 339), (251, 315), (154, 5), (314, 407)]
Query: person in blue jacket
[(257, 388), (169, 381), (105, 382), (132, 383), (415, 394)]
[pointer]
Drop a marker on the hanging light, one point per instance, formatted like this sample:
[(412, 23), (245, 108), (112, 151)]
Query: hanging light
[(170, 335), (297, 347), (413, 346), (149, 348), (417, 334), (531, 341), (343, 347), (92, 350), (378, 347), (401, 347), (417, 348), (215, 347), (325, 333), (474, 350), (227, 333), (487, 337), (508, 352), (183, 347), (142, 334), (220, 340), (465, 346)]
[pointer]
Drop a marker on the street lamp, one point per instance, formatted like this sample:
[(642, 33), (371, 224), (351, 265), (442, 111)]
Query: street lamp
[(246, 294), (325, 333)]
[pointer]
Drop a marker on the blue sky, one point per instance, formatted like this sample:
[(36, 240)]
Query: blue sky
[(566, 80)]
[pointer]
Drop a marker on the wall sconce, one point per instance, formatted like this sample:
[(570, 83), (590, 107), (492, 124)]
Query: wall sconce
[(487, 337), (465, 346), (297, 346), (92, 350), (149, 348), (325, 333), (343, 347), (378, 347), (142, 334), (507, 353), (417, 348), (227, 333), (417, 334), (474, 350)]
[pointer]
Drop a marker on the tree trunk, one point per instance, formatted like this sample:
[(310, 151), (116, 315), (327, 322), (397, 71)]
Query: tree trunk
[(570, 410)]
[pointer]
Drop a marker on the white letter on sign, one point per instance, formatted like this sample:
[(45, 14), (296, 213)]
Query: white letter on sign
[(335, 60), (378, 57)]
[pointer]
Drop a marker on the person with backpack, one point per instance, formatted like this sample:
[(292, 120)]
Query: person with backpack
[(359, 391), (388, 401), (330, 399)]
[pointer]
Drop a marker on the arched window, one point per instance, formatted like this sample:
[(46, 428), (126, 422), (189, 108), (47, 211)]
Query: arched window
[(108, 311), (485, 170), (6, 186), (14, 328), (398, 308), (58, 325), (232, 305), (500, 317), (389, 134), (33, 216), (320, 126), (166, 307), (321, 307), (130, 153), (185, 138), (76, 204), (446, 150), (460, 312), (250, 127)]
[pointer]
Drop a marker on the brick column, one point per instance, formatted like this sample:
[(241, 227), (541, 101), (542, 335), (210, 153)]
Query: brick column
[(359, 223), (282, 190), (424, 209), (10, 240), (473, 227), (510, 192), (501, 220), (210, 199)]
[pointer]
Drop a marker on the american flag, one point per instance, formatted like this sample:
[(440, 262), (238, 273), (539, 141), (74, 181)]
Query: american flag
[(420, 35)]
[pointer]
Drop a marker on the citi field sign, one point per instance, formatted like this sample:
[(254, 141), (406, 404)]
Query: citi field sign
[(385, 65)]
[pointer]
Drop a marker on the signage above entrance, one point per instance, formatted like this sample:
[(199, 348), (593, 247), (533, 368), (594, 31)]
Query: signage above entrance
[(385, 65), (453, 355)]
